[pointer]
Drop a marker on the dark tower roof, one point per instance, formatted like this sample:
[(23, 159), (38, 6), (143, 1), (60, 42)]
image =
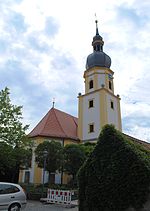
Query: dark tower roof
[(98, 58)]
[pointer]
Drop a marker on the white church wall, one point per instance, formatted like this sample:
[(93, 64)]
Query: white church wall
[(101, 80), (91, 115), (112, 112)]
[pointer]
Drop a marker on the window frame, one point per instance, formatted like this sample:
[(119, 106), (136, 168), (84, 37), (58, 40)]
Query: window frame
[(91, 128), (91, 84), (110, 85), (112, 104), (91, 103)]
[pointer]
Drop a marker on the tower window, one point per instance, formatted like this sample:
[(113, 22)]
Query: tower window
[(112, 104), (98, 47), (110, 85), (91, 103), (91, 128), (91, 84)]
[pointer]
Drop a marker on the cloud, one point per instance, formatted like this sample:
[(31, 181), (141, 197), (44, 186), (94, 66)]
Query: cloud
[(51, 27), (32, 68), (3, 46), (137, 126), (15, 22), (43, 50), (131, 16), (36, 43)]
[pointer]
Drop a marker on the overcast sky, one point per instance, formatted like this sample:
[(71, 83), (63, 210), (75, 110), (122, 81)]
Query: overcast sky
[(43, 49)]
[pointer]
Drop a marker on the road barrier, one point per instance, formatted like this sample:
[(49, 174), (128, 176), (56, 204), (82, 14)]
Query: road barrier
[(59, 196)]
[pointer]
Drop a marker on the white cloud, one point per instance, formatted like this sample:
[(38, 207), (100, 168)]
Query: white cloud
[(46, 44)]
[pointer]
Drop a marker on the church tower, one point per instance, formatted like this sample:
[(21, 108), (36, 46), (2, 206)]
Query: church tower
[(99, 105)]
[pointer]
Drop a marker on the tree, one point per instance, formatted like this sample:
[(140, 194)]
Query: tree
[(116, 176), (73, 159), (13, 140), (87, 148), (9, 156), (54, 156)]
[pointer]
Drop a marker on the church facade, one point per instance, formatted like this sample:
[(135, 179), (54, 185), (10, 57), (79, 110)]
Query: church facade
[(56, 126), (96, 107)]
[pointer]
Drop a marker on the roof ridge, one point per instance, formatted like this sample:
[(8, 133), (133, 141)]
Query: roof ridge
[(59, 122), (75, 121), (136, 139), (65, 113)]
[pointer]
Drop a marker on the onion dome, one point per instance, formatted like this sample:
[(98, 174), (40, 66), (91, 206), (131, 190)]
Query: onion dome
[(98, 58)]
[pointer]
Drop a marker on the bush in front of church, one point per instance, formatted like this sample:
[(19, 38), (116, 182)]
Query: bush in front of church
[(116, 176)]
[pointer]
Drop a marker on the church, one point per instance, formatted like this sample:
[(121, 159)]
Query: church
[(96, 107)]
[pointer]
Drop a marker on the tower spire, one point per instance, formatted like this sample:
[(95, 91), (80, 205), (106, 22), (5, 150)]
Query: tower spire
[(97, 39), (96, 21), (97, 32)]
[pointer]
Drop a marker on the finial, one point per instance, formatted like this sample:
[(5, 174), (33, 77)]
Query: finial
[(53, 102), (96, 21)]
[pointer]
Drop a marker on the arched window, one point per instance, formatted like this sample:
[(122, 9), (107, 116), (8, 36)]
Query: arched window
[(112, 104), (110, 85), (91, 84)]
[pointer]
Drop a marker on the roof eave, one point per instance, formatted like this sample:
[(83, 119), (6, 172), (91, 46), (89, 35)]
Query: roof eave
[(53, 136)]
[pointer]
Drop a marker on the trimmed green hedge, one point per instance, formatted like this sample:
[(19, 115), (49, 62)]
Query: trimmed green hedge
[(116, 176)]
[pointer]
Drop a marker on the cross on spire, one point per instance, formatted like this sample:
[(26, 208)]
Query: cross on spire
[(96, 21), (53, 102)]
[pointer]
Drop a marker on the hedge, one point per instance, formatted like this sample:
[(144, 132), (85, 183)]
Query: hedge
[(116, 176)]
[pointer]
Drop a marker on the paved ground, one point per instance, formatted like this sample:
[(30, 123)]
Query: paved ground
[(38, 206)]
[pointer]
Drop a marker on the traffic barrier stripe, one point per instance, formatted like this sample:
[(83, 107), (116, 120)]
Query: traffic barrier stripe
[(59, 196)]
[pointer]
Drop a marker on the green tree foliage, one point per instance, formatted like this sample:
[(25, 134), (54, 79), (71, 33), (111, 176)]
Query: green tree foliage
[(13, 140), (12, 130), (12, 160), (54, 156), (87, 148), (73, 159), (116, 176)]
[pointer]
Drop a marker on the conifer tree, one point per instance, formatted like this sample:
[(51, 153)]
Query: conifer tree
[(116, 176)]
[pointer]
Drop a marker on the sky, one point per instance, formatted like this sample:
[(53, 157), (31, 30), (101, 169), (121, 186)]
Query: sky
[(43, 49)]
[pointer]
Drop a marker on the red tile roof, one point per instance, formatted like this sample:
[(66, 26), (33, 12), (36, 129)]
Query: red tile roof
[(56, 124), (146, 145)]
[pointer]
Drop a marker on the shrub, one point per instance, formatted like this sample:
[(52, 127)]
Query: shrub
[(116, 176)]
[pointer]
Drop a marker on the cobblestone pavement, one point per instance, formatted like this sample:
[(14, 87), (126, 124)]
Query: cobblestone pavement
[(38, 206)]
